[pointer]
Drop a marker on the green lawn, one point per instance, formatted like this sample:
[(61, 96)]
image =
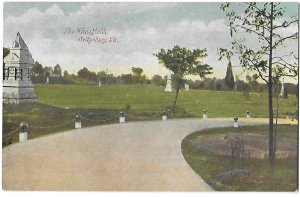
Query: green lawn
[(282, 178), (153, 98), (141, 102)]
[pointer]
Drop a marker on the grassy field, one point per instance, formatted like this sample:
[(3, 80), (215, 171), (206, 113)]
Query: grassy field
[(58, 105), (282, 178), (153, 98)]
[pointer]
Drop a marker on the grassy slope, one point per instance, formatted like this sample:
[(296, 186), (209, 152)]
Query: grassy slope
[(208, 166), (153, 98)]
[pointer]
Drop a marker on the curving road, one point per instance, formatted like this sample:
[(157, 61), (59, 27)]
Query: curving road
[(136, 156)]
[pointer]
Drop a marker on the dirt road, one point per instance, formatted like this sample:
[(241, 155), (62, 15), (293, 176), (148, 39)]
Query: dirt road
[(136, 156)]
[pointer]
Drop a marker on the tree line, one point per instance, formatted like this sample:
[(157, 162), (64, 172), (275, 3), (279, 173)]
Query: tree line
[(85, 76)]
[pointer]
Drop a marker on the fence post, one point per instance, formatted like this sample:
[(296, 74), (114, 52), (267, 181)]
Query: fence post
[(248, 114), (23, 135), (235, 123), (122, 117), (165, 115), (77, 121), (204, 114)]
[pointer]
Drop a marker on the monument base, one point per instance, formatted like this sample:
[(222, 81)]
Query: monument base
[(15, 92), (235, 125), (23, 136), (122, 119), (77, 125)]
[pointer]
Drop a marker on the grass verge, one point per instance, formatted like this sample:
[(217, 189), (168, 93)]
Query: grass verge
[(282, 178)]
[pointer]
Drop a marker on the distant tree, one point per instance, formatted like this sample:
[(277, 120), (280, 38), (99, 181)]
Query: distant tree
[(137, 73), (66, 74), (48, 71), (267, 26), (57, 71), (37, 69), (157, 80), (86, 75), (229, 78), (182, 62), (5, 52), (102, 76)]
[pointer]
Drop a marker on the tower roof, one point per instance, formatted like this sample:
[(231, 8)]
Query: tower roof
[(19, 42)]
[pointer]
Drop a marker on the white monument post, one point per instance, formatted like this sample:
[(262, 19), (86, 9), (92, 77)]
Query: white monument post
[(100, 84), (169, 84), (204, 114), (235, 123), (23, 135), (248, 114), (17, 85), (186, 87), (165, 115), (282, 88), (122, 117), (77, 122), (47, 80)]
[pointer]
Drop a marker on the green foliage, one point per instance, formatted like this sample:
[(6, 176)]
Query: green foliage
[(182, 62), (158, 80), (283, 177), (86, 75), (5, 52), (229, 78)]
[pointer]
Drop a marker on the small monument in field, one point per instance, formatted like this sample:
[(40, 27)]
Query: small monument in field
[(186, 87), (282, 88), (17, 85), (168, 85)]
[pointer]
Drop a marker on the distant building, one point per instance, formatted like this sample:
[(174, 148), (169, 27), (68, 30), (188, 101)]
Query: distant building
[(17, 85)]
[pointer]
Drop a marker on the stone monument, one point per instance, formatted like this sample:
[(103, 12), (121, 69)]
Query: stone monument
[(168, 85), (282, 88), (17, 84), (186, 87)]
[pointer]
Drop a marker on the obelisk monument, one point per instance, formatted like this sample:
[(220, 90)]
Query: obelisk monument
[(17, 84)]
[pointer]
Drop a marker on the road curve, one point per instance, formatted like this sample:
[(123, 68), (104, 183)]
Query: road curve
[(135, 156)]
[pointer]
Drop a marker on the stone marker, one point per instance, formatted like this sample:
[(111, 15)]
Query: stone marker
[(168, 85), (235, 123), (248, 114), (23, 135), (47, 80), (232, 174), (77, 121), (17, 85), (122, 117), (165, 115), (282, 88), (204, 114), (100, 84), (186, 87)]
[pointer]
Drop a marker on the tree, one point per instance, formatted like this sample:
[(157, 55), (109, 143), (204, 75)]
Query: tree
[(157, 80), (229, 78), (57, 70), (183, 62), (265, 24), (66, 74), (137, 73), (5, 52), (37, 69), (86, 75), (102, 76)]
